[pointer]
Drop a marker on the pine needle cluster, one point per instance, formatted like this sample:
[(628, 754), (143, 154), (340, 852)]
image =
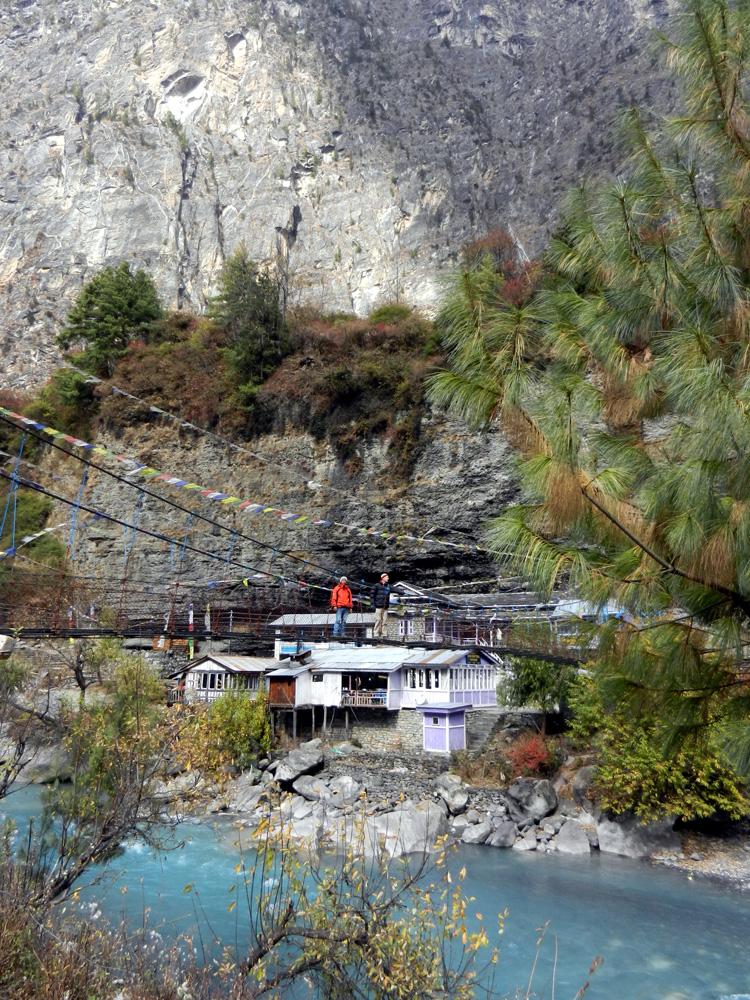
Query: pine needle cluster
[(624, 386)]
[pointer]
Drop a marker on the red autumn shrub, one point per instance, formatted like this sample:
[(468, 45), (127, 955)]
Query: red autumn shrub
[(530, 756)]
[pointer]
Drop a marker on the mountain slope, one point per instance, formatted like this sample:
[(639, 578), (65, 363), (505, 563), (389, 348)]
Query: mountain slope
[(355, 144)]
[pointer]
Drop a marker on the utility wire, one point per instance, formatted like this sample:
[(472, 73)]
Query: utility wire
[(186, 423), (172, 503), (141, 530)]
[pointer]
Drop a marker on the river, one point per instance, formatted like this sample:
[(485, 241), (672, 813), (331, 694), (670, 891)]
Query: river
[(661, 934)]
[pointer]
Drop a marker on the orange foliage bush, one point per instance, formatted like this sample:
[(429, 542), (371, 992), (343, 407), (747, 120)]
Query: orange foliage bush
[(530, 756)]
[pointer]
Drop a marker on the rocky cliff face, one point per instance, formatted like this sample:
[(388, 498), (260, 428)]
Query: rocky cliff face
[(459, 481), (355, 144)]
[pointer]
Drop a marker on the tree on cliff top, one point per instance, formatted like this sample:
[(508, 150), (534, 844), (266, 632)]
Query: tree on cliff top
[(113, 308), (624, 386), (247, 306)]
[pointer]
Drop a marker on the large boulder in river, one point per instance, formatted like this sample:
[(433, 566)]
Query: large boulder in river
[(504, 835), (420, 827), (478, 833), (409, 829), (572, 839), (631, 837), (530, 800), (452, 791), (304, 760)]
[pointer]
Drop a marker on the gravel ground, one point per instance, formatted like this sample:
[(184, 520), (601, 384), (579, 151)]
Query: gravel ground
[(725, 858)]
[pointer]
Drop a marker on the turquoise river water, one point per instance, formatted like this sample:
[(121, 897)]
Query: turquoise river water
[(661, 934)]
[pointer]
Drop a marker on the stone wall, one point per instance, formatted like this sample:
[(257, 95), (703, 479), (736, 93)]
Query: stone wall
[(380, 729)]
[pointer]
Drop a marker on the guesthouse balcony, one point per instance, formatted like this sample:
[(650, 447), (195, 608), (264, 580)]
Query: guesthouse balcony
[(364, 699)]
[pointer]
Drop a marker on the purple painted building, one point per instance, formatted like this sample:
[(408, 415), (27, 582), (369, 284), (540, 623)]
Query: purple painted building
[(444, 726)]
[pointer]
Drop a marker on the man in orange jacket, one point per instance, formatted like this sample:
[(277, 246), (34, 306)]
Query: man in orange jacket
[(341, 601)]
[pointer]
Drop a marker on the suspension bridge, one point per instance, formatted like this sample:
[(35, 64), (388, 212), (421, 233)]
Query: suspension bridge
[(176, 572)]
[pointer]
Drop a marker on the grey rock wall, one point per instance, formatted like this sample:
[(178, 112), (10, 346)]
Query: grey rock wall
[(353, 144), (460, 480)]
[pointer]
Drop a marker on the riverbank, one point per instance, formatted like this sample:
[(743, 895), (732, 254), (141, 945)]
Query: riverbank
[(723, 859), (324, 798)]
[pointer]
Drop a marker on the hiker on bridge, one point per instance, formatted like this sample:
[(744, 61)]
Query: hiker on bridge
[(341, 602), (381, 599)]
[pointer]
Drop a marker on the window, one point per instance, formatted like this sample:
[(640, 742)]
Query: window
[(317, 678), (412, 678), (406, 626), (436, 679), (435, 720)]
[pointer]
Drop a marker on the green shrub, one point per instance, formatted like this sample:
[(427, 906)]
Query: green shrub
[(635, 774), (241, 726), (393, 312), (67, 402)]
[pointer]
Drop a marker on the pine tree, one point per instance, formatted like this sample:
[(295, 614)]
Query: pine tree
[(112, 309), (247, 306), (624, 385)]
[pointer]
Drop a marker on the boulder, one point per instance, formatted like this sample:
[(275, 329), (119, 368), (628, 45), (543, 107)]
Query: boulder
[(306, 829), (310, 787), (526, 842), (301, 808), (472, 816), (504, 835), (572, 839), (344, 790), (298, 762), (243, 795), (530, 800), (419, 829), (478, 833), (458, 825), (453, 792), (582, 783), (7, 645), (409, 829), (315, 744), (633, 838), (554, 822)]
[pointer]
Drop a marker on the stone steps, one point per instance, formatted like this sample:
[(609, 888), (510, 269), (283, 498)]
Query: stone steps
[(481, 725)]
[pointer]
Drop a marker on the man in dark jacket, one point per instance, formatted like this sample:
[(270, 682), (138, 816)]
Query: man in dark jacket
[(381, 599)]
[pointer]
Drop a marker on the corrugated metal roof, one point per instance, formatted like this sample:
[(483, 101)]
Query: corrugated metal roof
[(301, 619), (290, 671), (234, 664), (442, 656), (444, 706), (371, 659)]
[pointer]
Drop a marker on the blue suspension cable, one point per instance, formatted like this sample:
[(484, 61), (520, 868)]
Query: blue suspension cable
[(76, 507), (135, 525), (184, 543), (13, 485)]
